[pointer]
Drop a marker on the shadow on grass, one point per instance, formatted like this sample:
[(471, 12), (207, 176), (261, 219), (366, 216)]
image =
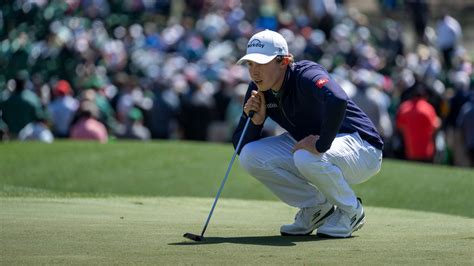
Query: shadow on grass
[(254, 240)]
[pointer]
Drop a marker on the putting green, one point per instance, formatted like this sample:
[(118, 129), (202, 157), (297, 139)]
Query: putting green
[(149, 231)]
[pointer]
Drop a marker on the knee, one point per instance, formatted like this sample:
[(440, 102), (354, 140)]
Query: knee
[(249, 157), (306, 162)]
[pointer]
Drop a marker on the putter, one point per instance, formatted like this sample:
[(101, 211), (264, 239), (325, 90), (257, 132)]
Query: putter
[(195, 237)]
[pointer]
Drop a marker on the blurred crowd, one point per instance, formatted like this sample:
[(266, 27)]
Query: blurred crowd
[(162, 69)]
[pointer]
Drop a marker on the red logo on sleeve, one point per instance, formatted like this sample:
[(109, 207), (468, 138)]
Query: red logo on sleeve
[(321, 82)]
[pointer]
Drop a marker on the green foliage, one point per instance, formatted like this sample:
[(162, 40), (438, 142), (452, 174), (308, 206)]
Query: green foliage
[(196, 169)]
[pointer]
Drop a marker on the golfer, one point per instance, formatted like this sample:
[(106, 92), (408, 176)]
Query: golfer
[(329, 145)]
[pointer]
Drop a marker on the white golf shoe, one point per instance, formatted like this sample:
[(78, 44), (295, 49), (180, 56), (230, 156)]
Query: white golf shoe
[(342, 224), (307, 219)]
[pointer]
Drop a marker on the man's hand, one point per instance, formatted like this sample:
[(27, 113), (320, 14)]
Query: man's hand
[(256, 103), (308, 143)]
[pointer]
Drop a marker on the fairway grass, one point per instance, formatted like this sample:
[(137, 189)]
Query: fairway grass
[(138, 230)]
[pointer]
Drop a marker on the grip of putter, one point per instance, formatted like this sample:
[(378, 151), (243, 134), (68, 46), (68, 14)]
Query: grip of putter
[(251, 113)]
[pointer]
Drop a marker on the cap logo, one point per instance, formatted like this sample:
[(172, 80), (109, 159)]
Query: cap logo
[(255, 43)]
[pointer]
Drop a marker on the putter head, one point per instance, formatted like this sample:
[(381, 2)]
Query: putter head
[(193, 237)]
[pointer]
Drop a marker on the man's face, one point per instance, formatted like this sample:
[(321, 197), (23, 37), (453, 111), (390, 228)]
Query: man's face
[(267, 76)]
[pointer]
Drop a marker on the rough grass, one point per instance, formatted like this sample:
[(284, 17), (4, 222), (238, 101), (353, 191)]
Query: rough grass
[(194, 169)]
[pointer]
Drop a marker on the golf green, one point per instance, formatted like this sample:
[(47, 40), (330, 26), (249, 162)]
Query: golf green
[(139, 230)]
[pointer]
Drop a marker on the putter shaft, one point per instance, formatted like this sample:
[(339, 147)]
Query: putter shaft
[(227, 172)]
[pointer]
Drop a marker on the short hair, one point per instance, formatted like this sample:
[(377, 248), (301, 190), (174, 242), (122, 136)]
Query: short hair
[(279, 58)]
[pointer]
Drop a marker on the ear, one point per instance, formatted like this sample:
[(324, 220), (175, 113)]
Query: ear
[(284, 62)]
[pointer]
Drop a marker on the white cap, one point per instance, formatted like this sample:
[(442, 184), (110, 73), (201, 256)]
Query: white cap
[(264, 46)]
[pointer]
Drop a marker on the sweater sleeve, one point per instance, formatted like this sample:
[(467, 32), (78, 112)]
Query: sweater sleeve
[(326, 92)]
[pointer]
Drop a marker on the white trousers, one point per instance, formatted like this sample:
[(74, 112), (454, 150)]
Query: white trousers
[(303, 179)]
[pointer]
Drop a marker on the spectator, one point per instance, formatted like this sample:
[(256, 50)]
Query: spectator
[(322, 13), (87, 127), (460, 84), (235, 107), (417, 122), (133, 128), (373, 102), (106, 114), (37, 130), (21, 107), (125, 99), (420, 16), (62, 109), (465, 125), (166, 105), (449, 37), (196, 112), (3, 130)]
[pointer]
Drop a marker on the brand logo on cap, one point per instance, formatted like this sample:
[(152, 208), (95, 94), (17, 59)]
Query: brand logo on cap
[(255, 43)]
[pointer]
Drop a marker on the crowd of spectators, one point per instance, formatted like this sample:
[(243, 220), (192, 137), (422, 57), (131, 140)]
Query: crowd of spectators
[(162, 69)]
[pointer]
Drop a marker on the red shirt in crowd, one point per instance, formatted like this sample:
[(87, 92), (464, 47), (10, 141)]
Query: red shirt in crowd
[(417, 121)]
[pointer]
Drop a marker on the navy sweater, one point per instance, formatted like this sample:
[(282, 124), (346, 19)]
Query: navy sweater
[(310, 102)]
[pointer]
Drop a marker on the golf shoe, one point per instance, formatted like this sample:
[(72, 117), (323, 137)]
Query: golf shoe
[(307, 220), (342, 224)]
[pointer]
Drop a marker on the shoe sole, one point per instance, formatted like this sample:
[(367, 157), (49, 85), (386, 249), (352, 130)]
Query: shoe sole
[(286, 234), (316, 225), (358, 226)]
